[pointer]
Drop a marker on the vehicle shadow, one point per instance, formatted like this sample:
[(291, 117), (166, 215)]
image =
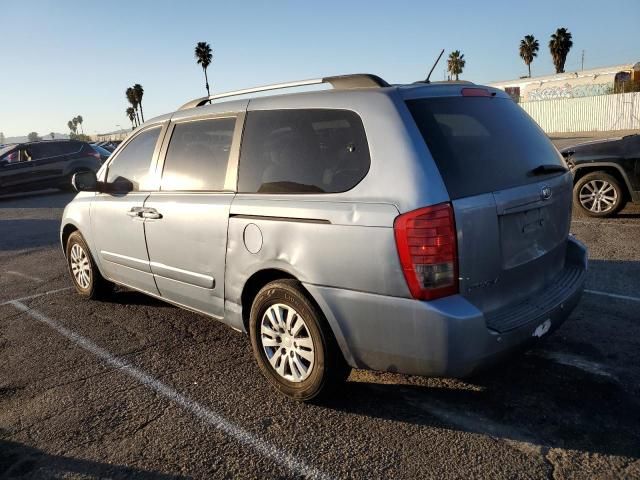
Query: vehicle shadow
[(531, 401), (21, 461), (125, 296), (628, 215), (23, 234), (37, 199)]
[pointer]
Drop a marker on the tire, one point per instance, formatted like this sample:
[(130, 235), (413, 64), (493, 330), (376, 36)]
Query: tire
[(598, 194), (300, 374), (86, 277)]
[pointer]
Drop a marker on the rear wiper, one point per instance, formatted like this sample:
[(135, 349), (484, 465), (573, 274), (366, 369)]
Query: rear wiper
[(547, 168)]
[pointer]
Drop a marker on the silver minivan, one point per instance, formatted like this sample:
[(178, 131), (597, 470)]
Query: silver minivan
[(421, 229)]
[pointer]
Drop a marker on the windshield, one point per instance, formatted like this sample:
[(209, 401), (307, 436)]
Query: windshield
[(482, 144)]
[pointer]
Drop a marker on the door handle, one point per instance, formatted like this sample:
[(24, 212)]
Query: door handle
[(151, 213), (135, 212)]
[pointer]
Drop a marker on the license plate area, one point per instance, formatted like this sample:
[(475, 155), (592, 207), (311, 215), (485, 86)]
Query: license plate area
[(529, 234)]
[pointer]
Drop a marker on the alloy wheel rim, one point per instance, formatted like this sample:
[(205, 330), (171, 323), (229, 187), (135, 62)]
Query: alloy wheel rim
[(598, 196), (80, 266), (287, 343)]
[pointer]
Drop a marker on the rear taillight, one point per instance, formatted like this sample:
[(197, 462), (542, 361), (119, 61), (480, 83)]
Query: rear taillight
[(426, 241)]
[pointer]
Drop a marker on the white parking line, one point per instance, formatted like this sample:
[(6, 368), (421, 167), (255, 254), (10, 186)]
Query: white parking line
[(575, 361), (23, 275), (36, 295), (613, 295), (245, 437)]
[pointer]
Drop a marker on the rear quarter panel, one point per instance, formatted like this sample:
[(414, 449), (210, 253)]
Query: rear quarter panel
[(318, 241)]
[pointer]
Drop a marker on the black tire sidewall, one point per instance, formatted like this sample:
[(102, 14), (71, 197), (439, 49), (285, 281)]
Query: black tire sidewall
[(598, 176), (289, 294)]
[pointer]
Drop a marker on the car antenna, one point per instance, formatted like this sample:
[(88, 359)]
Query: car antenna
[(434, 66)]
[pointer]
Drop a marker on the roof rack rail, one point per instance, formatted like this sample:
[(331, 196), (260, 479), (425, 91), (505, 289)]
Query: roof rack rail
[(339, 82)]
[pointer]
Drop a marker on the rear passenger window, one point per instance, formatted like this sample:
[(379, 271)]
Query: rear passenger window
[(302, 151), (198, 155), (130, 169), (66, 148)]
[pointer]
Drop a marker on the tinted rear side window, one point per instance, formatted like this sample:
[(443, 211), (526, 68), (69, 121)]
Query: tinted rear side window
[(130, 169), (198, 155), (66, 148), (302, 151), (482, 144)]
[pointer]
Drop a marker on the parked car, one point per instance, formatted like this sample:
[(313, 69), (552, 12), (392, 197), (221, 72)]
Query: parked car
[(103, 152), (421, 229), (606, 174), (45, 164)]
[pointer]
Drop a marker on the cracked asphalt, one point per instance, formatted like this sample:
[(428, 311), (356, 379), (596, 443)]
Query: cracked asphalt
[(188, 401)]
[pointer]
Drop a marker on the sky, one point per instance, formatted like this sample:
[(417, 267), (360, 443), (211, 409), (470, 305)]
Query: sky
[(60, 58)]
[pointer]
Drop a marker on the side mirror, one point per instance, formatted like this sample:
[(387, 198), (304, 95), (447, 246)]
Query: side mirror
[(85, 181)]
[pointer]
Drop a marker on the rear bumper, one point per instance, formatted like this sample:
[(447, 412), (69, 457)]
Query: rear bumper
[(445, 337)]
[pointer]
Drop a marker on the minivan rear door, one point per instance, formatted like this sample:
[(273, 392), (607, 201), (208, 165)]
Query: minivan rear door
[(510, 190)]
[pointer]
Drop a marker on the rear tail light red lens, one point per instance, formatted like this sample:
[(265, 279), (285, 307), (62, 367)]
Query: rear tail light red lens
[(427, 247)]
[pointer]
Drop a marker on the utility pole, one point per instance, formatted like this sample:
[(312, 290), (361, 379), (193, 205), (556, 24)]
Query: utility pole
[(582, 60)]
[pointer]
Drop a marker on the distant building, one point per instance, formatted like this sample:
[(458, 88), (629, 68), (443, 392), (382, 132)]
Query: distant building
[(583, 83), (108, 137)]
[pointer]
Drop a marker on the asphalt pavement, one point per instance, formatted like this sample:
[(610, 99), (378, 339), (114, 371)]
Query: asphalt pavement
[(132, 387)]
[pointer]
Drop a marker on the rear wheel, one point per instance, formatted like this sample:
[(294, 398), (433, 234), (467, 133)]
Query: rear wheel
[(598, 194), (85, 275), (294, 347)]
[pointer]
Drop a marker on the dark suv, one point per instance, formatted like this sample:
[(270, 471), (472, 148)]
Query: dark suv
[(46, 164), (606, 174)]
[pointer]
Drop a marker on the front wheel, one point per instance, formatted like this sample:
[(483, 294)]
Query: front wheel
[(598, 194), (86, 277), (292, 343)]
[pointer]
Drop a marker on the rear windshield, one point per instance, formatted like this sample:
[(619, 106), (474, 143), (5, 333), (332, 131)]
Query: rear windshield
[(482, 144)]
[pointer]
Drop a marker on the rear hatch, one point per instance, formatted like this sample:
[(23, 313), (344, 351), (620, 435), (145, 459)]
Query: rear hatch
[(510, 191)]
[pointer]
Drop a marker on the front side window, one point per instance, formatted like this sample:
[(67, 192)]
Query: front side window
[(11, 157), (302, 151), (129, 171), (198, 155)]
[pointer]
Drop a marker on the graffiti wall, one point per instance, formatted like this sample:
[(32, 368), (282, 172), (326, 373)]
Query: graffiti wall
[(568, 91)]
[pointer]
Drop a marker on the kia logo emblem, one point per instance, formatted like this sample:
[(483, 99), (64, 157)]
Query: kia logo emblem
[(546, 193)]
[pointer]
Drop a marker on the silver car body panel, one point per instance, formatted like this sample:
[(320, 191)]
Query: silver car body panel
[(207, 246)]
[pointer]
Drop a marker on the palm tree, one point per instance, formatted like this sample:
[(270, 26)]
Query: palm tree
[(74, 120), (132, 117), (138, 92), (131, 97), (456, 63), (72, 126), (559, 46), (204, 56), (79, 118), (529, 47)]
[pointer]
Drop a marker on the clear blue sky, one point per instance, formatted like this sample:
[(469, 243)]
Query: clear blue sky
[(62, 58)]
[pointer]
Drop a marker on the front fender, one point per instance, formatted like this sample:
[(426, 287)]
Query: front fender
[(77, 214)]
